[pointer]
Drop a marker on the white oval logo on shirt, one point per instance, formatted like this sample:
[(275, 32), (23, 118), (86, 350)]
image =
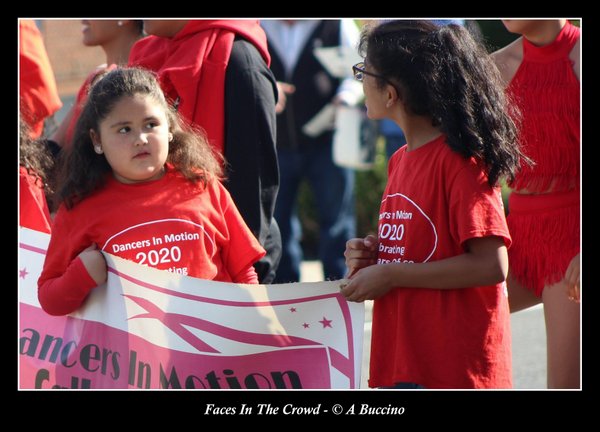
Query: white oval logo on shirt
[(406, 233)]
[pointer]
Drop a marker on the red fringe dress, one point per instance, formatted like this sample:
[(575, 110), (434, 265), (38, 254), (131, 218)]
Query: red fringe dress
[(545, 225)]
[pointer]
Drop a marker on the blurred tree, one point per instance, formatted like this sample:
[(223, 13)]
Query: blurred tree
[(495, 35), (368, 191), (307, 213)]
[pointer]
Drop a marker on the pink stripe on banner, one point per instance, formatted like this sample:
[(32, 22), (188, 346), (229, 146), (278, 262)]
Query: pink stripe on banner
[(217, 301), (176, 322), (346, 366), (32, 248)]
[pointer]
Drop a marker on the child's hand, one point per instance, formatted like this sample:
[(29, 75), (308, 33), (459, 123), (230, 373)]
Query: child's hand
[(360, 253), (572, 279), (367, 284), (94, 263)]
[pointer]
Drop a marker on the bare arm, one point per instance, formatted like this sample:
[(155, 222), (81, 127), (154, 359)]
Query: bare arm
[(576, 59), (484, 263), (572, 280)]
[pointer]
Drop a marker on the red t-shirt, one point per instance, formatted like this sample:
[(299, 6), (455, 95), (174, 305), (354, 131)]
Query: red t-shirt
[(33, 208), (169, 224), (434, 201)]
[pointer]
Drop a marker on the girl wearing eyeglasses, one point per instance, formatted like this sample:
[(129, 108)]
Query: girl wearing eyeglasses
[(438, 267)]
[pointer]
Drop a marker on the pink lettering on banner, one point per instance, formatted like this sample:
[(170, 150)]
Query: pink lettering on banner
[(53, 356)]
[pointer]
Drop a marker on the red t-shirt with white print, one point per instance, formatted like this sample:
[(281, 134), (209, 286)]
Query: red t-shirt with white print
[(169, 224), (434, 201)]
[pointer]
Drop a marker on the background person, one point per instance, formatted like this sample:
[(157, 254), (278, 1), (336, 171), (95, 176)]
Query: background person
[(308, 87)]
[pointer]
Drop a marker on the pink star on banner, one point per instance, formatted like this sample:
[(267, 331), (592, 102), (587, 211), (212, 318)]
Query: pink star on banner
[(326, 322), (305, 325), (292, 309), (23, 273)]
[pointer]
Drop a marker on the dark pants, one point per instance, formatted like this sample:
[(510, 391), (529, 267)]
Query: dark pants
[(333, 189)]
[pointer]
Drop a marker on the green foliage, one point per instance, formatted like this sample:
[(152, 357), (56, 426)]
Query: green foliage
[(309, 220), (495, 35), (368, 191), (505, 194)]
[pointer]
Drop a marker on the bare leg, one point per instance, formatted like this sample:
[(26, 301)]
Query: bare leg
[(519, 297), (562, 335)]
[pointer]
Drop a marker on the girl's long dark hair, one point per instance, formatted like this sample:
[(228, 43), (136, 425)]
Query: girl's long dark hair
[(441, 72), (83, 171), (36, 158)]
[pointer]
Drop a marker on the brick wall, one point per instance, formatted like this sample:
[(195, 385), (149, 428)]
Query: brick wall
[(71, 60)]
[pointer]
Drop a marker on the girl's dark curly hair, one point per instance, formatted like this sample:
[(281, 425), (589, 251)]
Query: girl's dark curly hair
[(83, 171), (441, 72), (36, 158)]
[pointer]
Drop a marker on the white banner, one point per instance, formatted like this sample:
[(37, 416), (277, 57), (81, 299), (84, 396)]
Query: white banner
[(147, 328)]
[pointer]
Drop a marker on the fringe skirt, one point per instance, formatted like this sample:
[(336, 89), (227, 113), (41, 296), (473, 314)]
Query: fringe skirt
[(545, 231)]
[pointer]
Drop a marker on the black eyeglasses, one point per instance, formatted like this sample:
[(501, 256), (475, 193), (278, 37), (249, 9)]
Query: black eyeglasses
[(359, 73)]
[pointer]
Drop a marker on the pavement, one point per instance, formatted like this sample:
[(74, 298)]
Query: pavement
[(528, 338)]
